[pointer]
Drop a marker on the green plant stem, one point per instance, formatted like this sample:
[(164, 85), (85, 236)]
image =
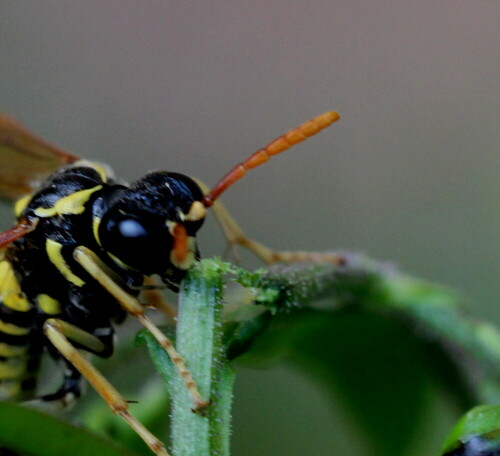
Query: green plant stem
[(431, 311), (198, 340)]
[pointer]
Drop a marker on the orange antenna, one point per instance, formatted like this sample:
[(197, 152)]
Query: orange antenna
[(284, 142), (16, 232)]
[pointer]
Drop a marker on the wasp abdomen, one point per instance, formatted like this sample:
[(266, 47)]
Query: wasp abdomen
[(17, 320)]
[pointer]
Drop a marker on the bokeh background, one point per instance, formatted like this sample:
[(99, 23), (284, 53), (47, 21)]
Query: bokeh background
[(409, 175)]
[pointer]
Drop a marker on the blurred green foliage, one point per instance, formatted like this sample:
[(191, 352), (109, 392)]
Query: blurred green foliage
[(376, 339)]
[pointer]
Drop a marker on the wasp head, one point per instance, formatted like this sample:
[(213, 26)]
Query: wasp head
[(152, 226)]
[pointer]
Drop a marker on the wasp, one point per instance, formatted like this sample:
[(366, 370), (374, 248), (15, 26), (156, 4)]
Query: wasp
[(82, 248)]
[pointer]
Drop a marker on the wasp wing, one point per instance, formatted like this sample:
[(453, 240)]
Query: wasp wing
[(25, 159)]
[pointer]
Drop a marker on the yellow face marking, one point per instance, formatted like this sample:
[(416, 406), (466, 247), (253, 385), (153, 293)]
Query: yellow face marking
[(21, 204), (12, 368), (71, 204), (55, 256), (12, 350), (197, 211), (9, 328), (48, 305)]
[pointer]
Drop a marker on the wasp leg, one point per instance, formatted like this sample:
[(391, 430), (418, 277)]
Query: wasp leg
[(71, 388), (86, 258), (154, 298), (235, 236), (59, 333)]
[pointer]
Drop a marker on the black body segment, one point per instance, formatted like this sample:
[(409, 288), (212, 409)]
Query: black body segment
[(131, 232)]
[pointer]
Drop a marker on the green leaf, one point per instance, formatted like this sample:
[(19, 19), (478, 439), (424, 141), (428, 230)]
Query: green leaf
[(32, 433), (476, 434), (376, 338), (161, 361), (368, 363), (240, 335)]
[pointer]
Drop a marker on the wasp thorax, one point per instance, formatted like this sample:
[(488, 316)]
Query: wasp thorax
[(152, 227)]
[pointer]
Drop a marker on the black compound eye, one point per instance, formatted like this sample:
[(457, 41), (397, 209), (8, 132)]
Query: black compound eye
[(140, 244), (126, 229), (131, 229)]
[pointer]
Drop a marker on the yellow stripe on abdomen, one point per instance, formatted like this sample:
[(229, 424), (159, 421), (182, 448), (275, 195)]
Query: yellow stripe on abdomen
[(12, 329), (12, 368), (10, 290), (9, 351)]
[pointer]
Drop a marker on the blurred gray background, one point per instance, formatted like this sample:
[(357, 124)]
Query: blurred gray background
[(409, 174)]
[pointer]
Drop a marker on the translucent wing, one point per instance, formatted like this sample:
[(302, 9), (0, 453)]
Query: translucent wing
[(25, 159)]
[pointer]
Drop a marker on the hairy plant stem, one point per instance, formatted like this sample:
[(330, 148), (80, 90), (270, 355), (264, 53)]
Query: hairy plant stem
[(430, 311), (199, 341)]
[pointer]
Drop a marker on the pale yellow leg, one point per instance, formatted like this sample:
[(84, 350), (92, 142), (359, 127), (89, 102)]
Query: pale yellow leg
[(235, 236), (56, 331), (88, 260), (154, 298)]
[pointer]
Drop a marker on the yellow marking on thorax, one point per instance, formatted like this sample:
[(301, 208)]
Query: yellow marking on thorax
[(21, 204), (10, 290), (9, 328), (55, 256), (103, 170), (95, 228), (12, 350), (69, 205), (11, 368), (48, 305)]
